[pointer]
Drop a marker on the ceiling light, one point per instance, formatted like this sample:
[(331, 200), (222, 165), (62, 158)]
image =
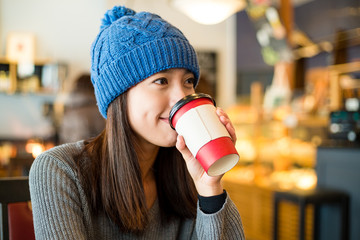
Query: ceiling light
[(209, 11)]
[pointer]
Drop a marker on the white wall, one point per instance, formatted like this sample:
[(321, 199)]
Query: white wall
[(65, 29)]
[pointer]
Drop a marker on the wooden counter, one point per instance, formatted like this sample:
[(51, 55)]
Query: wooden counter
[(255, 204)]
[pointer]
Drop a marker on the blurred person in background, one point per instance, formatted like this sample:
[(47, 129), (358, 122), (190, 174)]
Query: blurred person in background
[(80, 118)]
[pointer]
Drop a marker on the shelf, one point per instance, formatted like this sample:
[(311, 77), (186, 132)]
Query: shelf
[(40, 76)]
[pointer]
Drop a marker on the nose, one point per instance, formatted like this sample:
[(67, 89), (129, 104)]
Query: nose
[(176, 95)]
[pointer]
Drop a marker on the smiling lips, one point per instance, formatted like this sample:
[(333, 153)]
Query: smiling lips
[(166, 120)]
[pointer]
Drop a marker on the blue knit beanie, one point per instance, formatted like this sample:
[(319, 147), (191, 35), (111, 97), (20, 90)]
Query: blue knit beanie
[(131, 47)]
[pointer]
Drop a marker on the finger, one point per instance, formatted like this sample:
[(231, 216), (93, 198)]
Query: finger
[(227, 123), (221, 112), (232, 132), (181, 146), (224, 118)]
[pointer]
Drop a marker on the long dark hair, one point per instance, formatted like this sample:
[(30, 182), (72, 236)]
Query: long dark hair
[(110, 172)]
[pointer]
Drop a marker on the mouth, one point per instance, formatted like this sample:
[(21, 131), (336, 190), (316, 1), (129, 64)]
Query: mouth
[(165, 119)]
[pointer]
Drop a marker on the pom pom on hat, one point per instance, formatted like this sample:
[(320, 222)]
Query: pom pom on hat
[(114, 14), (131, 47)]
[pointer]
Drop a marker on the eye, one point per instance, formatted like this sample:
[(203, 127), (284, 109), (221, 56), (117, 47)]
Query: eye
[(190, 81), (161, 81)]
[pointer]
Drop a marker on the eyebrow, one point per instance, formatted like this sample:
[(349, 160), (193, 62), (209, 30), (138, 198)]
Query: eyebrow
[(171, 69)]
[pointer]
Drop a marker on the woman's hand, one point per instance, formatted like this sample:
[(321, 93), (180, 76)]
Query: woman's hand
[(205, 185)]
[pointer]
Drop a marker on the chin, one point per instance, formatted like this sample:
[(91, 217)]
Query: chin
[(166, 139), (168, 142)]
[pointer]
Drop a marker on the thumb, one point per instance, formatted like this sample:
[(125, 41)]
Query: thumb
[(183, 149)]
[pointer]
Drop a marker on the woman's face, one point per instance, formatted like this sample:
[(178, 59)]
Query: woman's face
[(150, 102)]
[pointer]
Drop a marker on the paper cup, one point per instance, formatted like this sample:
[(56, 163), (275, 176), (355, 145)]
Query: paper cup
[(194, 117)]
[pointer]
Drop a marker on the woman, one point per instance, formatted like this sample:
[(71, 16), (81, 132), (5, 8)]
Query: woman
[(131, 181)]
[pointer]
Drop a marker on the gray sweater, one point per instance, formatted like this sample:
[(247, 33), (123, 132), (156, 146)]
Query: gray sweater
[(61, 210)]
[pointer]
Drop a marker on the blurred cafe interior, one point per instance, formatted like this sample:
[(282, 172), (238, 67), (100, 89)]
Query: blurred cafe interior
[(286, 71)]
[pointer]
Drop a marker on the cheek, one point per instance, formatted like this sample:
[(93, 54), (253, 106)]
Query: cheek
[(142, 115), (137, 116), (135, 106)]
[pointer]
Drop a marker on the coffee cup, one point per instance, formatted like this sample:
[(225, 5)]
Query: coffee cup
[(194, 117)]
